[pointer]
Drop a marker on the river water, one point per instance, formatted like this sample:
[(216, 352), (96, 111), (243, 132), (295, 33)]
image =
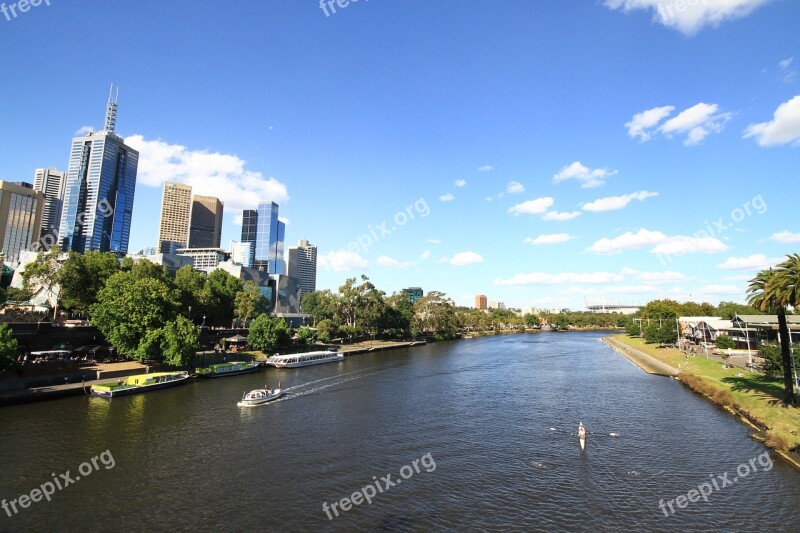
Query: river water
[(474, 435)]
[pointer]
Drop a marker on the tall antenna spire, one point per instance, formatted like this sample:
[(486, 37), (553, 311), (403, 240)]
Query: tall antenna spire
[(111, 110)]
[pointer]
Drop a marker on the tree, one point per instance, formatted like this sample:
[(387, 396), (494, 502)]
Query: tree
[(319, 304), (771, 291), (218, 297), (728, 310), (269, 334), (399, 315), (435, 314), (724, 342), (43, 273), (306, 336), (249, 302), (663, 309), (327, 330), (180, 341), (773, 362), (82, 276), (190, 283), (661, 332), (9, 349), (129, 310)]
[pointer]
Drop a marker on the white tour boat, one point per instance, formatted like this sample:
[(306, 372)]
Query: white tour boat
[(304, 359), (260, 396)]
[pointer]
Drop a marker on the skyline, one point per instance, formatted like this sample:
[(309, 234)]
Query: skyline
[(617, 148)]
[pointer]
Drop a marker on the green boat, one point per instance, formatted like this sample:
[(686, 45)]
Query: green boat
[(222, 370), (140, 383)]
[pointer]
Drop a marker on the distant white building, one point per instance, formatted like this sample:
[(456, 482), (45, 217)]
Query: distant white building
[(497, 305), (205, 259)]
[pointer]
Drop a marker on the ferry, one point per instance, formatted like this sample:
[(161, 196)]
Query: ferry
[(226, 369), (304, 359), (140, 383), (260, 396)]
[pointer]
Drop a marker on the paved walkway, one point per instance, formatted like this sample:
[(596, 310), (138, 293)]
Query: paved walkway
[(649, 364)]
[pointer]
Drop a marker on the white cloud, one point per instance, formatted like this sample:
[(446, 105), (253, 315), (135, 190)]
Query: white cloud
[(434, 241), (284, 220), (641, 123), (84, 130), (544, 278), (656, 278), (588, 177), (388, 262), (466, 258), (209, 173), (785, 237), (341, 261), (552, 238), (557, 216), (631, 289), (697, 122), (751, 263), (532, 207), (447, 197), (238, 219), (787, 72), (425, 255), (782, 129), (738, 277), (611, 203), (515, 187), (485, 168), (689, 16), (715, 289), (460, 183), (660, 243)]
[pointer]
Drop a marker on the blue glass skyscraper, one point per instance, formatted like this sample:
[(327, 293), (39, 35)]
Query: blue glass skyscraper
[(98, 197), (263, 228)]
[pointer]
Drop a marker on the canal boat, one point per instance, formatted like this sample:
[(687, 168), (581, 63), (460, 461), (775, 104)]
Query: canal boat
[(260, 396), (304, 359), (140, 383), (222, 370)]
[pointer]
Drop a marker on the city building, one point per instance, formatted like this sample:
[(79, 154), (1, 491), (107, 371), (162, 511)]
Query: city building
[(205, 259), (265, 232), (413, 294), (497, 305), (205, 226), (98, 197), (481, 302), (51, 182), (171, 262), (242, 253), (303, 265), (20, 218), (173, 226), (249, 230)]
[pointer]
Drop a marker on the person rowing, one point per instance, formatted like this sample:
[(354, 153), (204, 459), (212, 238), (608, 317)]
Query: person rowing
[(581, 434)]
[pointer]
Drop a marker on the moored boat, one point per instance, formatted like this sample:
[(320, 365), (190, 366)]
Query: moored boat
[(222, 370), (260, 396), (140, 383), (304, 359)]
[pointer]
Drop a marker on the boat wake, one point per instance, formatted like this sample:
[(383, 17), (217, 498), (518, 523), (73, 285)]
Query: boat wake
[(313, 387)]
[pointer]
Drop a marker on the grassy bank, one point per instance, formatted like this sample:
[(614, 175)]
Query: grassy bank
[(753, 396)]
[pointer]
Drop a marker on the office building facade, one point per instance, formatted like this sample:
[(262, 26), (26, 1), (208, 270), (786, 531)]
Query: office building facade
[(481, 302), (173, 226), (265, 234), (20, 218), (303, 265), (98, 197), (51, 182), (413, 294), (205, 225)]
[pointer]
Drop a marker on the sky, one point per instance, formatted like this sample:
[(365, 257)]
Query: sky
[(543, 153)]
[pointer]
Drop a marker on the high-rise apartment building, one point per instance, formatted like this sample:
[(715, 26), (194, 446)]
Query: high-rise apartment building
[(205, 225), (173, 227), (51, 182), (481, 302), (20, 218), (303, 265), (98, 198)]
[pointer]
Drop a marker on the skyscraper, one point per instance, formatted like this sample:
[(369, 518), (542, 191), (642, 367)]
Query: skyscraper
[(173, 227), (101, 182), (51, 182), (480, 302), (303, 265), (205, 226), (20, 218), (249, 230)]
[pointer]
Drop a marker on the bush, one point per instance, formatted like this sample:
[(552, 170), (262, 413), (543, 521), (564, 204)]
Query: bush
[(773, 362), (724, 342)]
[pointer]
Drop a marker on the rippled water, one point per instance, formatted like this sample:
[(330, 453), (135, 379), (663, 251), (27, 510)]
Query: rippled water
[(497, 416)]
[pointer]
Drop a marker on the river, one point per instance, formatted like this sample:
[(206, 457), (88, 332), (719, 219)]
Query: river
[(469, 435)]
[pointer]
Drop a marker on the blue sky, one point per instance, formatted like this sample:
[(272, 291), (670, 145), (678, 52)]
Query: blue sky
[(539, 152)]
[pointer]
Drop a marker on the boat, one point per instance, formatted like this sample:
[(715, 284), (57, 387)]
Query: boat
[(304, 359), (140, 383), (582, 435), (222, 370), (260, 396)]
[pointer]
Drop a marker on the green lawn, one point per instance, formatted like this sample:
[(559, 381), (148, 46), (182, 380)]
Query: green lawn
[(755, 394)]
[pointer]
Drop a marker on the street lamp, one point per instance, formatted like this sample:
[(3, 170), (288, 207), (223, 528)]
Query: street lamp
[(190, 312)]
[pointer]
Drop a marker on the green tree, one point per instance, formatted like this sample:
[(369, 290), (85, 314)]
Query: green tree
[(219, 296), (772, 291), (773, 361), (728, 310), (250, 302), (327, 330), (724, 342), (180, 341), (663, 309), (435, 314), (128, 309), (269, 334), (306, 336), (319, 304), (190, 283), (82, 276), (9, 349), (399, 315), (42, 274)]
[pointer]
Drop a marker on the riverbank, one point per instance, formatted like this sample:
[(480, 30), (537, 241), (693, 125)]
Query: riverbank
[(750, 396)]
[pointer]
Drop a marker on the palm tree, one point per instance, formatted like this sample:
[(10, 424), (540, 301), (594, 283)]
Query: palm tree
[(768, 294)]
